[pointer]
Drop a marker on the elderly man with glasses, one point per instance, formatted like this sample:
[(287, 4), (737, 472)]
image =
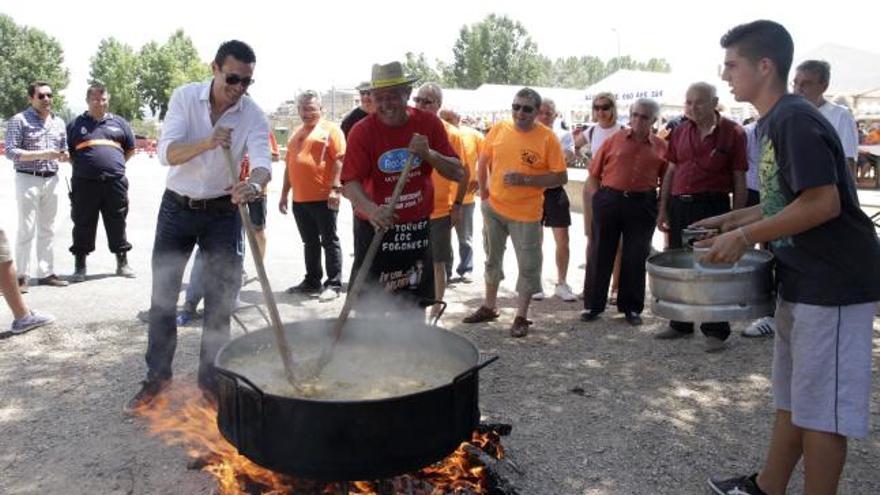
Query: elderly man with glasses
[(707, 162), (624, 176), (36, 141), (520, 159)]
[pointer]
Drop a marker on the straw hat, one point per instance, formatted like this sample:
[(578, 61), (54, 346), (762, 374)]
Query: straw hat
[(390, 75)]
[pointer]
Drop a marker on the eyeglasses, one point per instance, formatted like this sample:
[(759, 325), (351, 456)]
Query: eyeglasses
[(365, 93), (637, 115), (522, 108), (601, 108), (233, 79), (423, 101), (44, 96)]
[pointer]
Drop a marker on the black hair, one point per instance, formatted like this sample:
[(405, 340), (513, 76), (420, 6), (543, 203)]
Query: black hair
[(762, 39), (239, 50), (530, 94), (32, 87), (97, 87)]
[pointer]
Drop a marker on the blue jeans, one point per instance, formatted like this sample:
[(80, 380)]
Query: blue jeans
[(464, 230), (218, 235)]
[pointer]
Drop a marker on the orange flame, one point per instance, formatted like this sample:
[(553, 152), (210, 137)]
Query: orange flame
[(180, 417)]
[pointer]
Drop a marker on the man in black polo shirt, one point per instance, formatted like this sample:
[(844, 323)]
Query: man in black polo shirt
[(100, 143)]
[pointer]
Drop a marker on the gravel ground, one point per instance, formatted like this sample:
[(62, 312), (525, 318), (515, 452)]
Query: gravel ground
[(598, 409)]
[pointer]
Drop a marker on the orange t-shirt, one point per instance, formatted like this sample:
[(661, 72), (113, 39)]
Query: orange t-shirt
[(311, 154), (472, 146), (535, 152), (444, 189)]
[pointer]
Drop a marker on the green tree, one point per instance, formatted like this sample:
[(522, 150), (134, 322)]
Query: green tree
[(27, 55), (496, 50), (656, 65), (163, 68), (115, 65), (418, 65)]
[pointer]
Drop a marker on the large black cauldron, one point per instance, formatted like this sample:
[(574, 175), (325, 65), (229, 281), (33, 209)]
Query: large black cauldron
[(349, 440)]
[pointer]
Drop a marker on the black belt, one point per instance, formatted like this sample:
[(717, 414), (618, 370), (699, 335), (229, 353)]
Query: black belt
[(630, 194), (35, 173), (223, 203), (702, 197)]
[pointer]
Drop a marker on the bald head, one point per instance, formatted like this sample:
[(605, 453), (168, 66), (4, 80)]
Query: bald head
[(429, 97), (700, 103)]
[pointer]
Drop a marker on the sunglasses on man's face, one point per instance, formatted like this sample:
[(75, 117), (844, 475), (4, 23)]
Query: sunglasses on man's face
[(522, 108), (44, 96), (423, 101), (233, 79), (601, 108)]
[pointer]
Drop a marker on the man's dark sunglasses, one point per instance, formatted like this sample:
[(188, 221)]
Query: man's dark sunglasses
[(43, 96), (603, 108), (233, 79), (523, 108)]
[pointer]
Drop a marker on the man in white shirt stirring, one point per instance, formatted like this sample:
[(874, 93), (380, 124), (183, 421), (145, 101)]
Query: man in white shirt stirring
[(199, 207)]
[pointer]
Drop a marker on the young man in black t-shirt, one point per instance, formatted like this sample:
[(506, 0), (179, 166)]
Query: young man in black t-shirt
[(827, 266)]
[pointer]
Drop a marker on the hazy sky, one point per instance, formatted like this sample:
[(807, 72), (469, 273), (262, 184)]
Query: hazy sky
[(301, 45)]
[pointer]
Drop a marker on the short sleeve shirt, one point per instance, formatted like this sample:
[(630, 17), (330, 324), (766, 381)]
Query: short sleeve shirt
[(627, 164), (445, 189), (98, 147), (472, 145), (838, 262), (311, 154), (376, 154), (534, 152), (706, 165), (845, 124)]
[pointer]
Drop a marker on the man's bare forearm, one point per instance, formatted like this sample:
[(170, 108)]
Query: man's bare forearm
[(547, 180), (179, 153), (447, 166)]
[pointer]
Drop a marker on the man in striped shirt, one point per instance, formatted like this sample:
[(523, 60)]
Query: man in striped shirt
[(35, 142)]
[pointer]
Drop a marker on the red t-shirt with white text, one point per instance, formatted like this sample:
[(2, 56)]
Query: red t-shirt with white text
[(376, 154)]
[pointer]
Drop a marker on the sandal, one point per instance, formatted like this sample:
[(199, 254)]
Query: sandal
[(481, 315), (520, 327)]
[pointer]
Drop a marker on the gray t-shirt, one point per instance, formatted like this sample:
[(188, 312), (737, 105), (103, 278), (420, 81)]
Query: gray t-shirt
[(838, 262)]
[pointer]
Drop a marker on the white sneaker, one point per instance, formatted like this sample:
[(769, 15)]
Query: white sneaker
[(538, 296), (563, 291), (328, 294), (762, 327)]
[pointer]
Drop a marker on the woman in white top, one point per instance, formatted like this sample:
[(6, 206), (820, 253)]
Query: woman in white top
[(605, 116)]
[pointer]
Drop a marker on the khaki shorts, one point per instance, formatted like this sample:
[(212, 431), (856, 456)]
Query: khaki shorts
[(5, 252), (527, 240)]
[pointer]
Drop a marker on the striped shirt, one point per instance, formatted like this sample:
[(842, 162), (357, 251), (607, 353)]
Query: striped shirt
[(26, 131)]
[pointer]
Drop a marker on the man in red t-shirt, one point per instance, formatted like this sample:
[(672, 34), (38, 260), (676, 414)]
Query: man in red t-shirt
[(377, 151), (707, 162)]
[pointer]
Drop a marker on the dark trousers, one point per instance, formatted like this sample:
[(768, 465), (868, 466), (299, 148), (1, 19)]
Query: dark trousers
[(753, 198), (681, 213), (218, 235), (88, 198), (317, 228), (616, 215)]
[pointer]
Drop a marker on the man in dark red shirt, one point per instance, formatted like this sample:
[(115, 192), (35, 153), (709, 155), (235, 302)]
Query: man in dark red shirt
[(377, 150), (707, 162), (624, 176)]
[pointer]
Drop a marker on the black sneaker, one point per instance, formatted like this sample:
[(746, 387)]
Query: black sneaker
[(591, 315), (150, 389), (305, 287), (742, 485)]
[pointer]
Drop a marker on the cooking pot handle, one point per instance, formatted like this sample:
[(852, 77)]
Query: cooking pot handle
[(236, 378), (475, 368)]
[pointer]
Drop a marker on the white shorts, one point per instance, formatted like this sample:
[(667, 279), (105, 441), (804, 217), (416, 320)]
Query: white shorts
[(822, 366)]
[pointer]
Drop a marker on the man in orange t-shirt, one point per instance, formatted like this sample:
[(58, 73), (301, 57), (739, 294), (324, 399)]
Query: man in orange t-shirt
[(448, 196), (520, 159), (314, 164), (472, 145)]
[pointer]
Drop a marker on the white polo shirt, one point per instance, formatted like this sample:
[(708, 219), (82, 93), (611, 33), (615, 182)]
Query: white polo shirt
[(189, 120), (845, 124)]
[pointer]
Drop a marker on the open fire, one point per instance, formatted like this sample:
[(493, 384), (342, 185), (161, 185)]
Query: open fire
[(181, 417)]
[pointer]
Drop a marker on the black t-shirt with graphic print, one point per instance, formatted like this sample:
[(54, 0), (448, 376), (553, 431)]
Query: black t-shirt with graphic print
[(838, 262)]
